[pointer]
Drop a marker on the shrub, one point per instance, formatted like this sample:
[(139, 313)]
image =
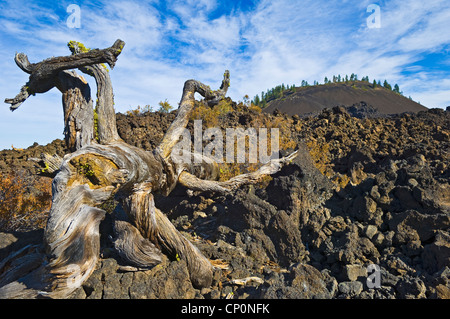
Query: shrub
[(139, 110), (287, 141), (24, 201), (210, 116), (255, 108), (165, 106)]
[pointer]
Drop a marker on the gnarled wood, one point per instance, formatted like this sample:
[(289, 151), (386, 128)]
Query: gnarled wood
[(97, 170), (42, 74), (191, 87), (154, 225), (273, 166), (104, 108), (47, 165), (77, 108), (133, 247), (106, 116)]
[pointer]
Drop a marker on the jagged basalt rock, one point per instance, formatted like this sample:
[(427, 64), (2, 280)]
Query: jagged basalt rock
[(301, 234), (286, 212), (169, 280), (302, 281)]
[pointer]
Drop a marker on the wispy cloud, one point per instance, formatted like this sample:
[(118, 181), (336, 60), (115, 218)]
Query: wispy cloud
[(263, 43)]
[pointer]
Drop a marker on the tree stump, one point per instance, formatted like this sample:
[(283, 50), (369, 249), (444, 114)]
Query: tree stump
[(100, 166)]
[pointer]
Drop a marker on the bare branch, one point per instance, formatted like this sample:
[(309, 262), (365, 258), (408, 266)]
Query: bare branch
[(19, 98), (184, 111), (22, 62), (192, 182), (42, 74)]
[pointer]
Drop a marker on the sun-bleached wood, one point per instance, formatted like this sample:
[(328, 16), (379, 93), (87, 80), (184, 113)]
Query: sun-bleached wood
[(102, 166)]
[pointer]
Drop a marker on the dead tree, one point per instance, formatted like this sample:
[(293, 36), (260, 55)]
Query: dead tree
[(100, 166)]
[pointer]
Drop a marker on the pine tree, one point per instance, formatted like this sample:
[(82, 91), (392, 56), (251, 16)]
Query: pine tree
[(396, 89), (263, 104), (256, 100)]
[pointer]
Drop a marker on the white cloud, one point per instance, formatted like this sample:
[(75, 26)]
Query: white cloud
[(430, 37), (186, 9), (428, 89), (407, 26), (279, 41), (135, 23)]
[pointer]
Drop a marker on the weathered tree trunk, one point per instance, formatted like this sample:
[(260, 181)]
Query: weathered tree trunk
[(104, 167), (106, 129), (77, 108)]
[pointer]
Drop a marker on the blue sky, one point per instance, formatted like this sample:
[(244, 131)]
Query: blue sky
[(262, 43)]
